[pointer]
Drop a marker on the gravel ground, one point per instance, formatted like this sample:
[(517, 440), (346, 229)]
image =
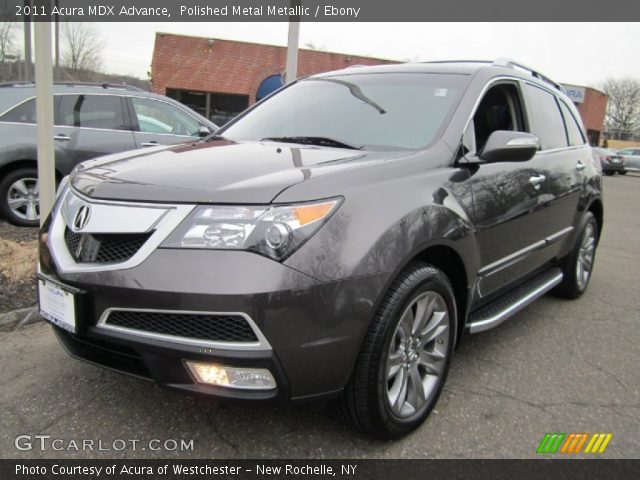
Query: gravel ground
[(16, 292)]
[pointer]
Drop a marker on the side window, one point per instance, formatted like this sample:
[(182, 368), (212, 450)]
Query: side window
[(91, 111), (574, 132), (499, 109), (160, 117), (546, 119), (23, 113)]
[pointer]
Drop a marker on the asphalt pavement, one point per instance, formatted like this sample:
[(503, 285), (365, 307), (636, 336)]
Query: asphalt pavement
[(557, 366)]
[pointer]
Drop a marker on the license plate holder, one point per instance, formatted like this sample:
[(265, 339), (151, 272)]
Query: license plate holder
[(59, 304)]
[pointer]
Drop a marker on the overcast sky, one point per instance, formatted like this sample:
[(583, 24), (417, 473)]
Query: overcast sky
[(577, 53)]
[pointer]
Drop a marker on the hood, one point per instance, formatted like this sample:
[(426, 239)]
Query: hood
[(212, 172)]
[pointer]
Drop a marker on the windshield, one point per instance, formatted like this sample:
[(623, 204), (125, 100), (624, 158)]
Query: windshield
[(372, 111)]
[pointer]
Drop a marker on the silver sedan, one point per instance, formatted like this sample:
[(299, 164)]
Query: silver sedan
[(631, 157)]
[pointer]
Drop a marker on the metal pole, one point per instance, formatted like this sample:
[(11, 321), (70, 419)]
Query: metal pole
[(27, 44), (291, 72), (57, 44), (44, 118)]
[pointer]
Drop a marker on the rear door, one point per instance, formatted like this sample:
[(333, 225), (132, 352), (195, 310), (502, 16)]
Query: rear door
[(565, 154), (91, 125), (156, 122)]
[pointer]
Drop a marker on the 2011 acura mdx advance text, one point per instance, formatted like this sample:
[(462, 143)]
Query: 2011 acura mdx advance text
[(333, 242)]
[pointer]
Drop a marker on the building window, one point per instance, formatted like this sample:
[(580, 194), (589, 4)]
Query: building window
[(217, 107)]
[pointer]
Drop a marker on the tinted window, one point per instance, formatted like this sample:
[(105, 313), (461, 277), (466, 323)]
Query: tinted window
[(23, 113), (160, 117), (546, 120), (91, 111), (374, 110), (574, 131)]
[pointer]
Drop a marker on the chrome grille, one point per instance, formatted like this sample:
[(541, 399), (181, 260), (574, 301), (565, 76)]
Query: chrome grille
[(104, 248), (209, 327)]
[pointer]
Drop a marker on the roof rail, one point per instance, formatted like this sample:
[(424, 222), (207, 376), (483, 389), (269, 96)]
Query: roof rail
[(509, 63), (77, 84), (459, 61)]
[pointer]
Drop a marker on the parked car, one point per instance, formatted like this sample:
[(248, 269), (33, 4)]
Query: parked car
[(631, 157), (610, 161), (91, 120), (339, 256)]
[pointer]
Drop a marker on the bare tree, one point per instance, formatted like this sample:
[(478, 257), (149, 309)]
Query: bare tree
[(82, 47), (7, 38), (623, 108), (313, 46)]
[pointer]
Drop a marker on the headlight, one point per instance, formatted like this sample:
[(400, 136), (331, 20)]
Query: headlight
[(275, 231)]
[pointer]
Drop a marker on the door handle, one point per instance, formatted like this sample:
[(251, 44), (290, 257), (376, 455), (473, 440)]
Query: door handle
[(152, 143), (580, 166), (62, 137), (537, 180)]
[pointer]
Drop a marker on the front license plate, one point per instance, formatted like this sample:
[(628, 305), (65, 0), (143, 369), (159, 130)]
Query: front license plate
[(57, 304)]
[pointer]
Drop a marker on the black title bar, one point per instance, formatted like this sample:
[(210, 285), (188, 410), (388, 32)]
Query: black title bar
[(317, 10), (319, 469)]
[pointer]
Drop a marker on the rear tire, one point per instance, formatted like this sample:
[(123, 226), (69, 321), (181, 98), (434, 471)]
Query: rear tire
[(405, 356), (20, 197), (577, 267)]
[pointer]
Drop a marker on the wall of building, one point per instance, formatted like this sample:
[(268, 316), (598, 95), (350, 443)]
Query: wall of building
[(593, 109), (224, 66)]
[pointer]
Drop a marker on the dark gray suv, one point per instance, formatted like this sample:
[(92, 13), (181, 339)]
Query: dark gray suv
[(336, 241), (91, 120)]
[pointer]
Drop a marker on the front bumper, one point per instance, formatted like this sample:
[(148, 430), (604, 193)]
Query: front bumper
[(313, 330)]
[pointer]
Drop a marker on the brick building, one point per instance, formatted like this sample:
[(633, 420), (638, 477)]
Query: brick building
[(220, 78), (592, 105)]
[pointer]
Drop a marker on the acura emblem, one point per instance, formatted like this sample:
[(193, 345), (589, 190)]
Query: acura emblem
[(82, 217)]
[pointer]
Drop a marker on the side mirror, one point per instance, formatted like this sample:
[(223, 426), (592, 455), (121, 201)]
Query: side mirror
[(508, 146), (203, 131)]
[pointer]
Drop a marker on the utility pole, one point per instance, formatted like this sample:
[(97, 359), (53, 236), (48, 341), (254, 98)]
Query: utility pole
[(291, 72)]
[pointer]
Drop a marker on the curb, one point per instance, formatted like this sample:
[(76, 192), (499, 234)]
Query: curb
[(16, 319)]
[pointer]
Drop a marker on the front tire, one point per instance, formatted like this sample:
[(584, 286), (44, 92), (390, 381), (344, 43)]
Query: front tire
[(20, 197), (405, 356), (578, 265)]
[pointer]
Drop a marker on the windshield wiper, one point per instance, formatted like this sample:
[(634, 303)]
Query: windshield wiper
[(321, 141)]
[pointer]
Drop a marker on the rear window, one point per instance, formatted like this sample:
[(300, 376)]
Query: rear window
[(22, 113), (91, 111), (546, 119), (574, 132)]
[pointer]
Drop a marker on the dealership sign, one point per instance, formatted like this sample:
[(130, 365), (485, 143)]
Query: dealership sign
[(576, 94)]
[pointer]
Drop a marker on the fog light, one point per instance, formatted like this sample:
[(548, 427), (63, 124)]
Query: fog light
[(232, 377)]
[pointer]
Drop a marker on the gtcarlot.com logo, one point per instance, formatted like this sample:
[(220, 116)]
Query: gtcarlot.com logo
[(574, 443), (47, 442)]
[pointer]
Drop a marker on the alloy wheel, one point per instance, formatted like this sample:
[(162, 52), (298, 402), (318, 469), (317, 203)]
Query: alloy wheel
[(23, 198), (584, 265), (417, 355)]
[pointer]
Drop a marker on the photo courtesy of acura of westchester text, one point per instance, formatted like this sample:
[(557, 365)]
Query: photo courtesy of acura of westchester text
[(299, 231)]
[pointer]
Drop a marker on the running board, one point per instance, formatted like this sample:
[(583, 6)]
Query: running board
[(497, 311)]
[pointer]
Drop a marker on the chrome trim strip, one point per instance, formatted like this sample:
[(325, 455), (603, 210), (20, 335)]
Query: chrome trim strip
[(558, 235), (519, 255), (500, 317), (167, 220), (262, 344), (510, 259)]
